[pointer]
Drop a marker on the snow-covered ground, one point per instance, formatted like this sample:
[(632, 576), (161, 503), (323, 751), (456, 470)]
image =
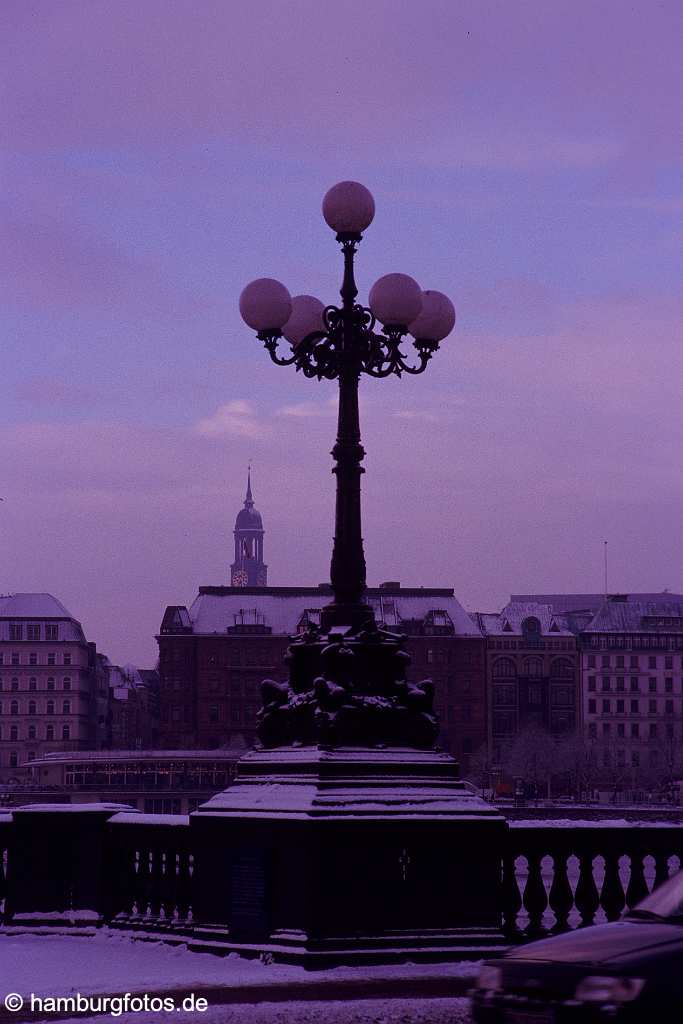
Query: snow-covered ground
[(236, 990), (353, 1011)]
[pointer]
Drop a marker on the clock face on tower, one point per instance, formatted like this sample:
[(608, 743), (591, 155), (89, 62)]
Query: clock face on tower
[(239, 578)]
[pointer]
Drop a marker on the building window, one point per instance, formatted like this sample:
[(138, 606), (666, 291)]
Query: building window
[(14, 707), (606, 707), (606, 728), (668, 662), (66, 683), (50, 732), (592, 707), (31, 707), (593, 730), (620, 683), (652, 685), (669, 707), (213, 713), (669, 730), (669, 684), (652, 707), (33, 658), (534, 694), (14, 732), (591, 684), (50, 682), (653, 731), (65, 732), (633, 661), (51, 660), (604, 661), (651, 662), (50, 707), (635, 730), (634, 684), (67, 659), (66, 707), (13, 759), (14, 684), (15, 657), (620, 661), (51, 632), (16, 631), (503, 668), (621, 730), (620, 707), (591, 661), (32, 683), (635, 707), (31, 732), (605, 682), (33, 632), (635, 759)]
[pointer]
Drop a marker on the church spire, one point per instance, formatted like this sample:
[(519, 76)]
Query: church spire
[(248, 569), (249, 501)]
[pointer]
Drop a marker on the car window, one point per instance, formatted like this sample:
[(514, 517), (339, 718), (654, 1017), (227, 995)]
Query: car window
[(666, 900)]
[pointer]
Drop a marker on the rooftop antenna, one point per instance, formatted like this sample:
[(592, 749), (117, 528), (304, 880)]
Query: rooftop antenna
[(605, 549)]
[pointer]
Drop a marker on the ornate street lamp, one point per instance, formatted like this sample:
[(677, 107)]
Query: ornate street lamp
[(347, 678)]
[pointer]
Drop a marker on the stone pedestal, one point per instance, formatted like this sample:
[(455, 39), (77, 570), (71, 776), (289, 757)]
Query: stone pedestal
[(349, 855)]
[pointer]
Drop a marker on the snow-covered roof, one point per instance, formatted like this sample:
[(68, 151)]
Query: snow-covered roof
[(590, 602), (32, 606), (509, 620), (90, 756), (216, 609), (639, 616), (36, 608)]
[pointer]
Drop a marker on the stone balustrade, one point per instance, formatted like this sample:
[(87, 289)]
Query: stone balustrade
[(150, 873)]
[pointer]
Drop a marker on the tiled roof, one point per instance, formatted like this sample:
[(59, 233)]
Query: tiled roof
[(509, 621), (632, 616)]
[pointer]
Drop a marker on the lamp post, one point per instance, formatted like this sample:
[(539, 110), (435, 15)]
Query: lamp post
[(346, 836), (341, 343)]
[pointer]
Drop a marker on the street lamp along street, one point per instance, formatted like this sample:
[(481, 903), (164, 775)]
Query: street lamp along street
[(348, 677)]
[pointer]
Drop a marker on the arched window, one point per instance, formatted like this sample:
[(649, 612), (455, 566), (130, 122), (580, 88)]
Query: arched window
[(50, 682), (31, 707), (50, 732), (65, 732), (32, 683), (13, 759), (66, 707), (504, 668), (533, 667), (66, 682), (14, 707), (50, 708), (31, 732), (14, 685), (531, 631), (562, 668), (14, 732)]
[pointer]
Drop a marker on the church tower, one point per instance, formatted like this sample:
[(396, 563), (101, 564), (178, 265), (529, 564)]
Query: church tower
[(248, 569)]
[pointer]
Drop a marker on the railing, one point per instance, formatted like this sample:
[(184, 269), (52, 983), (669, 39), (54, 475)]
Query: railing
[(559, 877), (151, 870), (161, 874)]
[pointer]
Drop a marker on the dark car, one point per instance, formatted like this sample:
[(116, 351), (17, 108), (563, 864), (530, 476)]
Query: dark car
[(630, 970)]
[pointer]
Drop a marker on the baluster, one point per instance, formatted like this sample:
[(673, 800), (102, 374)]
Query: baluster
[(144, 881), (3, 883), (612, 898), (168, 886), (183, 898), (586, 896), (637, 886), (561, 897), (535, 899), (512, 899), (155, 880), (661, 868)]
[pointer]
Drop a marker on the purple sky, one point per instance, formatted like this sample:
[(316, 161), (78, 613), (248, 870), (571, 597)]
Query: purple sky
[(525, 158)]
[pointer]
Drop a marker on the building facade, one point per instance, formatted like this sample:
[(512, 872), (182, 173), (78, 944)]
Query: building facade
[(49, 694), (214, 656), (532, 674), (632, 670), (134, 708)]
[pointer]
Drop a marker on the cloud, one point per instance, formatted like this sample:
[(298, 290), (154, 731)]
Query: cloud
[(237, 418), (305, 410)]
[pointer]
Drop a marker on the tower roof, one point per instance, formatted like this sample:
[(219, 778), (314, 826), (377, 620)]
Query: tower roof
[(248, 518)]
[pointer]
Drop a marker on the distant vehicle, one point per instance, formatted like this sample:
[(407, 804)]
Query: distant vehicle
[(630, 970)]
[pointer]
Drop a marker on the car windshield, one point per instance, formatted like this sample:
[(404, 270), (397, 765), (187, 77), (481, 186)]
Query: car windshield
[(665, 903)]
